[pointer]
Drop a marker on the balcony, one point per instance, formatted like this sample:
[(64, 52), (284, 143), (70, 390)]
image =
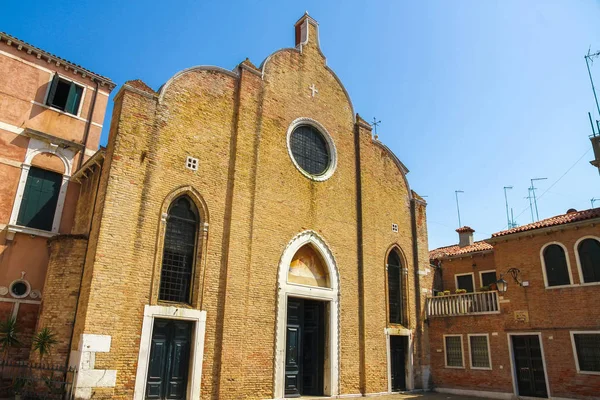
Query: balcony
[(453, 305)]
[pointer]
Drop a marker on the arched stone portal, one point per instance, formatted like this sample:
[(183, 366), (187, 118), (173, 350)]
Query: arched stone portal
[(308, 280)]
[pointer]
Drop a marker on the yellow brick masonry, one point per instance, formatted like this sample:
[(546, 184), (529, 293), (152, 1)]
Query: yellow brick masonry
[(255, 202)]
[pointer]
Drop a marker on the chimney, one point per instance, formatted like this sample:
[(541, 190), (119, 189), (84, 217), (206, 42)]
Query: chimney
[(307, 30), (465, 236)]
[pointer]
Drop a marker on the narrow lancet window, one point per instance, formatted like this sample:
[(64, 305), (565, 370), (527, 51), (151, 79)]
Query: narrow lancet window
[(179, 251), (394, 277)]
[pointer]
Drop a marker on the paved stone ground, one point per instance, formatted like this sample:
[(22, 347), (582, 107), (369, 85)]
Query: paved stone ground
[(425, 396)]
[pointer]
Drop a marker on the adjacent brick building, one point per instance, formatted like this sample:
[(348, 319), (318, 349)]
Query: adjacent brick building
[(51, 114), (540, 338), (249, 238)]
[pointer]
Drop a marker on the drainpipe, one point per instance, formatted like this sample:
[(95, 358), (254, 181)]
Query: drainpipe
[(88, 124)]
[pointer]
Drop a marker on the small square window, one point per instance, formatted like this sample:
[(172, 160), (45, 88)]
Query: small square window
[(394, 227), (454, 355), (64, 95), (191, 163), (587, 352)]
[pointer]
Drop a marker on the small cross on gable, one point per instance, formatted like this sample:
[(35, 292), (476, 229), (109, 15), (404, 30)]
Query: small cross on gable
[(313, 89)]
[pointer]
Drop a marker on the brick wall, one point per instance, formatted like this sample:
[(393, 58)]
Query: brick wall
[(256, 202)]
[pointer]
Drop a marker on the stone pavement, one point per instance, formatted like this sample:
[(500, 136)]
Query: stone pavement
[(425, 396)]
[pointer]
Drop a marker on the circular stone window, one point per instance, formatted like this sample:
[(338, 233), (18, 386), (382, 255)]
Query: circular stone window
[(311, 149), (19, 289)]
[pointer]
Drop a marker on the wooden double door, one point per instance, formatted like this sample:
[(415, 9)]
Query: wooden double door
[(305, 348), (169, 362), (529, 366)]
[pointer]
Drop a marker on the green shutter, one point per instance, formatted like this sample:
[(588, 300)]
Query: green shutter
[(74, 98), (39, 199), (52, 92)]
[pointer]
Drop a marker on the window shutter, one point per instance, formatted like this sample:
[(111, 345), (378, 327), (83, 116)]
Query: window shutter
[(52, 92), (75, 92), (39, 199)]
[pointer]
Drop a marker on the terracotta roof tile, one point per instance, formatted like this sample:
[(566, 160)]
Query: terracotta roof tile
[(456, 250), (465, 229), (9, 38), (569, 217)]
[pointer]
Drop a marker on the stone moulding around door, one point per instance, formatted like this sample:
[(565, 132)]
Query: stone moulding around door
[(196, 352)]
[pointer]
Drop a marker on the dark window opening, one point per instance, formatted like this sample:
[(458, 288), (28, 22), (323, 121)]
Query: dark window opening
[(589, 258), (64, 95), (394, 275), (40, 198), (488, 279), (557, 272), (587, 346), (179, 251), (465, 282), (454, 356), (310, 149), (19, 289)]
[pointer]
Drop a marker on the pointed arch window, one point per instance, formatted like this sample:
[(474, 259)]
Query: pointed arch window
[(556, 267), (589, 258), (395, 289), (179, 251)]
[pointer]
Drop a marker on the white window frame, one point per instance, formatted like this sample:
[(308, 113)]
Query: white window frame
[(472, 278), (487, 337), (543, 263), (462, 352), (485, 272), (64, 78), (575, 356), (578, 260), (34, 148)]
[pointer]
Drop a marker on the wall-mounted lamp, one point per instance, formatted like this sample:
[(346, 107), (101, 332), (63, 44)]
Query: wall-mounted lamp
[(503, 285)]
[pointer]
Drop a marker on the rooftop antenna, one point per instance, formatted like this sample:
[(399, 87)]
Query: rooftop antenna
[(534, 199), (593, 200), (456, 192), (513, 223), (506, 200), (589, 58), (375, 124), (530, 203)]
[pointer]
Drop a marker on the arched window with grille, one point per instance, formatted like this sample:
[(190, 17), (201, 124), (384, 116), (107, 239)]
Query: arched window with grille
[(588, 252), (555, 265), (395, 289), (179, 251)]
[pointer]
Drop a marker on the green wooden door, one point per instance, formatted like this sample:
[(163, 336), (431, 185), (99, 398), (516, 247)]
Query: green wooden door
[(39, 199)]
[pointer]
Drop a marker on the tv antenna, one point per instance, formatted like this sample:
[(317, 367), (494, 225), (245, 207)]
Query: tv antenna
[(589, 59), (534, 199), (593, 200), (529, 197), (508, 219), (456, 192)]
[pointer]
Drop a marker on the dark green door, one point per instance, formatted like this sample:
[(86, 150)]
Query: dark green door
[(398, 357), (169, 359), (305, 347), (39, 199), (529, 365)]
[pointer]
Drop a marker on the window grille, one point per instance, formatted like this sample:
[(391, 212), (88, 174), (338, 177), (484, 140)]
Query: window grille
[(454, 357), (557, 272), (587, 346), (310, 149), (480, 357), (191, 163), (179, 251), (589, 257), (394, 276)]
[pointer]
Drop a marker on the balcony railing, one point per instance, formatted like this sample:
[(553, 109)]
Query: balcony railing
[(463, 304)]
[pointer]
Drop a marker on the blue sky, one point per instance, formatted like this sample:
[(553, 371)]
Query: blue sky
[(473, 95)]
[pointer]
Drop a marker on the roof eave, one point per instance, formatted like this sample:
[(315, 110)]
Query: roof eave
[(532, 232)]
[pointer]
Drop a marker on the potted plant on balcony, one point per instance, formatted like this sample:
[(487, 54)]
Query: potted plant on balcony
[(460, 291), (447, 293)]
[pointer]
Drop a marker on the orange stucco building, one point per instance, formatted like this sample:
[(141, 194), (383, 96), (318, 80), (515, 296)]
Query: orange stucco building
[(51, 115)]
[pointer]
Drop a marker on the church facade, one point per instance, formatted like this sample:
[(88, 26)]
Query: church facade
[(249, 238)]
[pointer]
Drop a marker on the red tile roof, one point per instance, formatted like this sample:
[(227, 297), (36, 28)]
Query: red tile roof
[(5, 37), (465, 229), (569, 217), (456, 250)]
